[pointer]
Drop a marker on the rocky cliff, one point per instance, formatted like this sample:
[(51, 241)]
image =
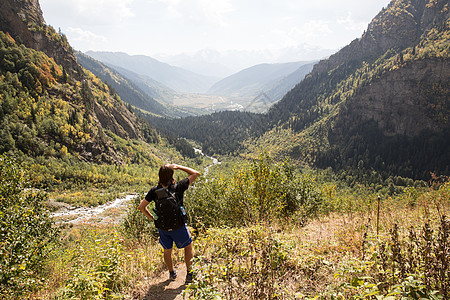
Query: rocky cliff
[(397, 117), (383, 101), (24, 21), (398, 26), (406, 101)]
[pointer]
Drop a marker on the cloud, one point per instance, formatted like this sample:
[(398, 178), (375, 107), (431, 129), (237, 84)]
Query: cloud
[(84, 39), (351, 24), (115, 9), (200, 11), (310, 32), (89, 12), (314, 28)]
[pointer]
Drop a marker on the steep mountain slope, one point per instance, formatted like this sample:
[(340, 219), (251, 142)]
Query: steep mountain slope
[(175, 78), (125, 88), (249, 82), (53, 110), (279, 89), (24, 20), (382, 101)]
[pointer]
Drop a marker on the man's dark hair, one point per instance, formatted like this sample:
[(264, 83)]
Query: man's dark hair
[(166, 175)]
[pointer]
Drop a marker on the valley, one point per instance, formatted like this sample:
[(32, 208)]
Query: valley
[(253, 89), (319, 178)]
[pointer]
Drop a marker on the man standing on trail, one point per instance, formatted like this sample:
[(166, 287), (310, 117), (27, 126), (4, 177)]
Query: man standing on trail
[(169, 215)]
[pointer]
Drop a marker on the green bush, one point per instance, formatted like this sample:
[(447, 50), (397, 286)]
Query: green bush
[(260, 192), (26, 233)]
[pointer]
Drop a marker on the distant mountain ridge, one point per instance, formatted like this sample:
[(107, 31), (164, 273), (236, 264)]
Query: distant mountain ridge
[(255, 88), (151, 87), (254, 80), (138, 90), (226, 63), (126, 89), (176, 78)]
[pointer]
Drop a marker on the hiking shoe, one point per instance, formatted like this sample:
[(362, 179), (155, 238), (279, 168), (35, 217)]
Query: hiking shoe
[(189, 277), (172, 275)]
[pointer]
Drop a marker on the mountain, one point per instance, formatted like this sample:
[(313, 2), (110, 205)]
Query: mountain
[(151, 87), (126, 89), (49, 105), (382, 101), (208, 62), (252, 81), (138, 90), (225, 63), (176, 78), (24, 21), (284, 85), (379, 107)]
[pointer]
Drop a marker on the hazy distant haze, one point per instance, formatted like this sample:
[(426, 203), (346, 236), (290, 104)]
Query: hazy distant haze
[(244, 33)]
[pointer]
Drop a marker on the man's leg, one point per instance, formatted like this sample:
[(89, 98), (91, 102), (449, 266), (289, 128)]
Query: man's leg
[(168, 259), (188, 255)]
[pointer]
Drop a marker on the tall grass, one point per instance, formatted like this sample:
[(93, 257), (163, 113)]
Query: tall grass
[(97, 262)]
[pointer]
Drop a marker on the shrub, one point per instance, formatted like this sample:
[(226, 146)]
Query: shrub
[(26, 233), (240, 263), (260, 192), (413, 267)]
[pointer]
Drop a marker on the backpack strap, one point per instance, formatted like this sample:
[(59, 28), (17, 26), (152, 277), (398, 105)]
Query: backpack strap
[(166, 192), (162, 193)]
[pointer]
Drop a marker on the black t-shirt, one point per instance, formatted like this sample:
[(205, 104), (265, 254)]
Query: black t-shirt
[(178, 187)]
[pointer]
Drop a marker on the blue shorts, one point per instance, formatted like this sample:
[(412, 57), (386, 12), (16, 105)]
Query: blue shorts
[(181, 237)]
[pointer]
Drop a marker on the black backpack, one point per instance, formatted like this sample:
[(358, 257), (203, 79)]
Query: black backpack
[(169, 214)]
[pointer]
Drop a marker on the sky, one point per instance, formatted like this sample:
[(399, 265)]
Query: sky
[(169, 27)]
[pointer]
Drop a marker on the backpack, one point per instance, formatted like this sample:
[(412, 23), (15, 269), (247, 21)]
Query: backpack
[(169, 214)]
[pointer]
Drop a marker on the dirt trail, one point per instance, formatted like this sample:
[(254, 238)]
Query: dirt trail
[(162, 288)]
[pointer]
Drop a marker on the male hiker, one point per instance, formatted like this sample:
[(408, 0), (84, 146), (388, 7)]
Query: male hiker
[(169, 215)]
